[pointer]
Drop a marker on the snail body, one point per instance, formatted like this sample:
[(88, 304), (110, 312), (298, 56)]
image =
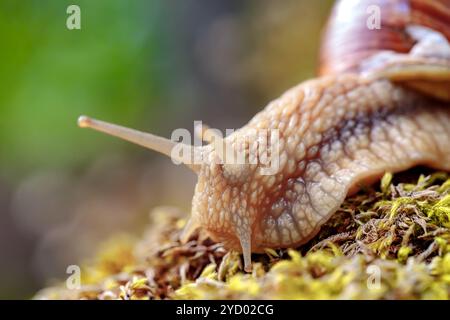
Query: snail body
[(385, 111)]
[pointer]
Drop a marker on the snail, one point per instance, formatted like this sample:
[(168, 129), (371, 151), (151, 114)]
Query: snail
[(381, 103)]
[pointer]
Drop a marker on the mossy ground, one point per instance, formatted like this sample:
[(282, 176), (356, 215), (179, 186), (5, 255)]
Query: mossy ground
[(387, 242)]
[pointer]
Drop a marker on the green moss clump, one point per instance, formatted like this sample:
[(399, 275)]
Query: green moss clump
[(391, 242)]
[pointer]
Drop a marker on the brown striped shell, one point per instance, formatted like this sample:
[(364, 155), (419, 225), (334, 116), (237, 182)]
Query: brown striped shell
[(347, 40)]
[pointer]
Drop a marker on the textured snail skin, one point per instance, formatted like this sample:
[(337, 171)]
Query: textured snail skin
[(337, 133), (381, 103)]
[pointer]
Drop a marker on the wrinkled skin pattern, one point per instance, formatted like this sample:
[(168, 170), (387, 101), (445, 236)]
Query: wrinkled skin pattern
[(336, 134)]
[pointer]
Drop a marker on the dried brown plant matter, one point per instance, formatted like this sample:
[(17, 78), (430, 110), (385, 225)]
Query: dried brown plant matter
[(390, 242)]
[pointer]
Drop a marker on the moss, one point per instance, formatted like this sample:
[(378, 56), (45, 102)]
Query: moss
[(390, 242)]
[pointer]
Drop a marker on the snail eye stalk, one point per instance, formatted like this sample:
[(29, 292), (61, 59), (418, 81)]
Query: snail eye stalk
[(144, 139)]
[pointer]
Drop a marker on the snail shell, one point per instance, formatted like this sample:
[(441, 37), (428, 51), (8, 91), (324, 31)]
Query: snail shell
[(348, 40)]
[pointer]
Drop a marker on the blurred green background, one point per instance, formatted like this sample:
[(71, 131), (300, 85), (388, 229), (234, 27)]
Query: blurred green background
[(154, 65)]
